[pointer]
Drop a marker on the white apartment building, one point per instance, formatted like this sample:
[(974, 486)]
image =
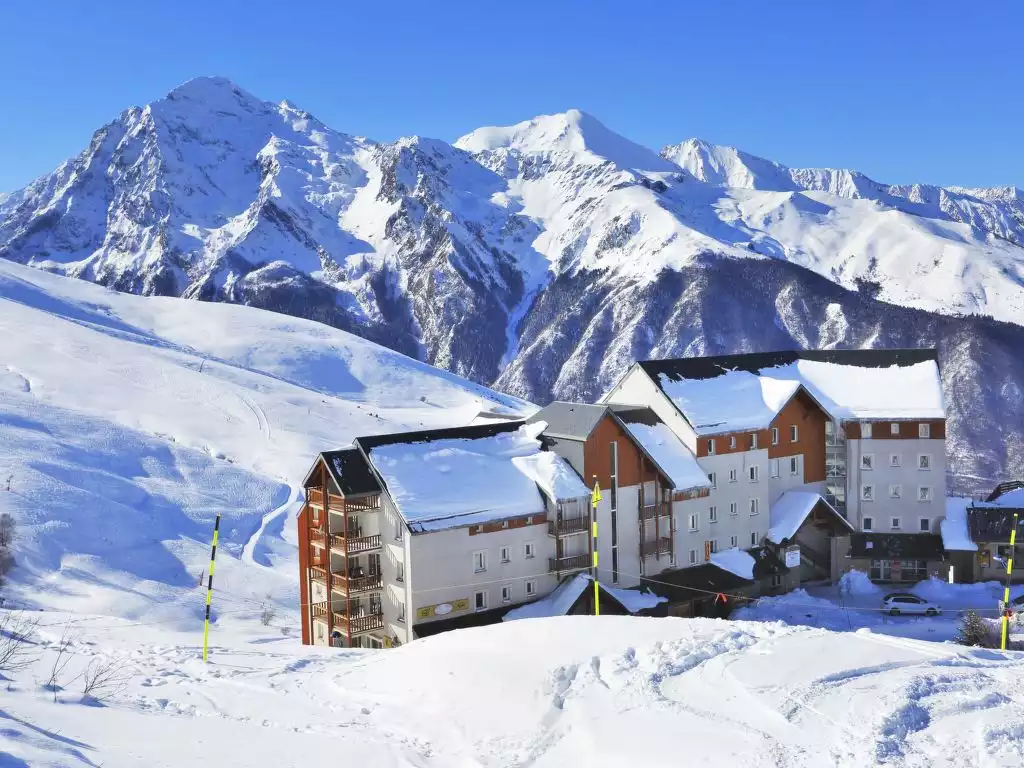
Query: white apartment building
[(431, 529)]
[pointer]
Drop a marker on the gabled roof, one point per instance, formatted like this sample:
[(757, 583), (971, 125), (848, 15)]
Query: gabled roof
[(790, 510), (1010, 493), (573, 421), (696, 582), (349, 471), (847, 384)]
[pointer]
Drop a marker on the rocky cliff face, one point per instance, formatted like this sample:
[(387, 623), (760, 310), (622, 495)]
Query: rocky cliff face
[(543, 257)]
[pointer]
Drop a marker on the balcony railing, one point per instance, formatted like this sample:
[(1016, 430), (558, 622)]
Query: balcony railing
[(660, 546), (571, 563), (568, 526), (357, 584), (317, 536), (363, 622), (356, 545), (652, 511), (320, 610)]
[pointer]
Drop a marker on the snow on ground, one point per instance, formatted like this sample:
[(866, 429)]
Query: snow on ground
[(127, 423), (607, 691)]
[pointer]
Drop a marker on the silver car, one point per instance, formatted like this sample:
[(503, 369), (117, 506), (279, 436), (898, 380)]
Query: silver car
[(904, 602)]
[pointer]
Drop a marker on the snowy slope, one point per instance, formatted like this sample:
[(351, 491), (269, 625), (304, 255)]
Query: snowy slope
[(542, 692), (129, 422)]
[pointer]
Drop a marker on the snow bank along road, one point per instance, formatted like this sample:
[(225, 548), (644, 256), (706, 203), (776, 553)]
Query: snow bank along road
[(544, 692)]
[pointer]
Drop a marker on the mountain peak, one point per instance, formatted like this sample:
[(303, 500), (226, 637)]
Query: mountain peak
[(213, 93), (573, 131)]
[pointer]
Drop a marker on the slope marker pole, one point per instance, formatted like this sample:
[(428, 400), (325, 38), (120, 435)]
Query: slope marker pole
[(1006, 592), (595, 497), (209, 590)]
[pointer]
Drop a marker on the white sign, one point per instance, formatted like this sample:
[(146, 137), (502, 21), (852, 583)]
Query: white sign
[(792, 557), (443, 609)]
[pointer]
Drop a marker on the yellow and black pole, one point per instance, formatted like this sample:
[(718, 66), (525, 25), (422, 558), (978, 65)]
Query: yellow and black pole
[(1006, 593), (209, 589), (595, 498)]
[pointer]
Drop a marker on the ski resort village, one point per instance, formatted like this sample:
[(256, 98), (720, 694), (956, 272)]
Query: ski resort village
[(435, 423), (693, 487)]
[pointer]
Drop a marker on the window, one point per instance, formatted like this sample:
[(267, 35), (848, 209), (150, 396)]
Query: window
[(733, 510), (865, 430), (506, 593), (867, 493), (924, 431), (732, 475), (713, 515), (713, 479), (399, 529), (401, 613), (319, 631), (714, 545), (924, 493), (531, 588), (529, 549), (480, 601), (924, 461), (711, 446), (869, 524), (773, 467), (776, 580), (694, 520), (881, 570), (895, 524), (753, 469), (894, 428), (753, 441), (732, 441), (775, 435), (732, 541), (504, 523), (794, 465), (867, 461), (506, 554), (399, 571), (895, 460), (794, 434), (753, 538), (924, 525), (479, 562), (895, 492), (753, 507), (693, 557)]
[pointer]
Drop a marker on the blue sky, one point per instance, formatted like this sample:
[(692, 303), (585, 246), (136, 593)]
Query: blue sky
[(907, 91)]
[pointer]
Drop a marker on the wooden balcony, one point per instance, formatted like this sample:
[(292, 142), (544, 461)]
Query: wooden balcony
[(318, 537), (354, 546), (352, 585), (661, 546), (360, 623), (568, 526), (652, 511), (571, 563), (319, 610)]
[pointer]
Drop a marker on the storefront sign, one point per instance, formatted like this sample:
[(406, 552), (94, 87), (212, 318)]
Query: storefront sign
[(792, 557), (442, 609)]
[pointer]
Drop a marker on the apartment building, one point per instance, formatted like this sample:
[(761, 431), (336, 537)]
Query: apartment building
[(864, 430), (406, 534), (645, 473)]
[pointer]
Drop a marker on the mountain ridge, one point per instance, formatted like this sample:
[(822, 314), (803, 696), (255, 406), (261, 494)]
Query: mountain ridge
[(541, 257)]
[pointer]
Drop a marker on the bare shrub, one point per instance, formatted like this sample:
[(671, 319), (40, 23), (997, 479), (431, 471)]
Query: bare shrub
[(17, 650), (62, 659), (105, 678)]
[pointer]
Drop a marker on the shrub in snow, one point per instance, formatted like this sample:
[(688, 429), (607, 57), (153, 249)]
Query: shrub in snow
[(974, 631)]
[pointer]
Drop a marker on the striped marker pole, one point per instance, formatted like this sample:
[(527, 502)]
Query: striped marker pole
[(209, 590), (597, 588), (1006, 593)]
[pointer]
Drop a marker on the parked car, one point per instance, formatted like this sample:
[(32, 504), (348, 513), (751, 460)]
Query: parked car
[(904, 602)]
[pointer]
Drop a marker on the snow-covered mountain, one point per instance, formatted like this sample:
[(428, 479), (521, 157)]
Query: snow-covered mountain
[(543, 257)]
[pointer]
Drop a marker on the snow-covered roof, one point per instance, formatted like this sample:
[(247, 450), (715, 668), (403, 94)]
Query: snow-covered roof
[(788, 513), (1010, 500), (565, 595), (553, 474), (668, 452), (955, 534), (445, 483), (736, 561), (856, 392), (737, 392), (732, 402)]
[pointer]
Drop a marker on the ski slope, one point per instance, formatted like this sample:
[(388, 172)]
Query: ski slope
[(608, 691), (128, 423)]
